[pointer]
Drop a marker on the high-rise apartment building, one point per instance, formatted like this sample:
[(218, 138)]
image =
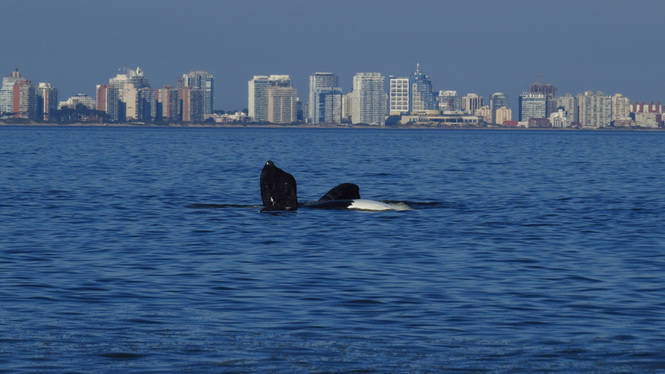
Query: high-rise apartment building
[(327, 105), (498, 100), (281, 104), (191, 104), (108, 101), (485, 113), (369, 99), (17, 97), (422, 98), (205, 82), (168, 104), (257, 101), (569, 104), (620, 107), (502, 115), (399, 96), (319, 81), (532, 105), (47, 101), (449, 101), (549, 91), (131, 104), (595, 109), (471, 102)]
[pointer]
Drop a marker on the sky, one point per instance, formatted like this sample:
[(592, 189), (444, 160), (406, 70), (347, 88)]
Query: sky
[(480, 46)]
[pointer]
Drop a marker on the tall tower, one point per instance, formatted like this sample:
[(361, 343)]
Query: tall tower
[(399, 96), (205, 82), (549, 91), (369, 99), (421, 93), (257, 100), (532, 105), (47, 100), (498, 100), (319, 81)]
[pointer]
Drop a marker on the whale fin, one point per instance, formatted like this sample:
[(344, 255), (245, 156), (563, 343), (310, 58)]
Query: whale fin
[(344, 191), (278, 188)]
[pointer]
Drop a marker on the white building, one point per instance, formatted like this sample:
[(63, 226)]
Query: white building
[(471, 102), (82, 99), (569, 105), (399, 96), (620, 107), (281, 106), (257, 98), (595, 109), (503, 114), (369, 99)]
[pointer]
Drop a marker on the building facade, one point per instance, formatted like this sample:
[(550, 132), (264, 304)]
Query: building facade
[(502, 115), (595, 109), (422, 97), (281, 104), (319, 81), (400, 97), (471, 102), (532, 105), (204, 81), (369, 99), (47, 101), (449, 101), (257, 89), (498, 100), (18, 97)]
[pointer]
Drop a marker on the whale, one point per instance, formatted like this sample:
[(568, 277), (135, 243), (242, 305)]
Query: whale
[(279, 191)]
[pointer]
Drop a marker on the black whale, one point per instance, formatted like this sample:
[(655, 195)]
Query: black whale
[(279, 192)]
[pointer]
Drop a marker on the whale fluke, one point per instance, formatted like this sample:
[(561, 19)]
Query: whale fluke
[(344, 191), (278, 188)]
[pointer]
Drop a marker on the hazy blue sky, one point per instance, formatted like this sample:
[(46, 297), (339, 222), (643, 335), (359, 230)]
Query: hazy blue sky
[(479, 46)]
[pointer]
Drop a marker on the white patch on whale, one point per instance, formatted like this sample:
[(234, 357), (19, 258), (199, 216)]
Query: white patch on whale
[(373, 205)]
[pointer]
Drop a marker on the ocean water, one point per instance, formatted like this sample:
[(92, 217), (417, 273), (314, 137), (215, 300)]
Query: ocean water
[(145, 250)]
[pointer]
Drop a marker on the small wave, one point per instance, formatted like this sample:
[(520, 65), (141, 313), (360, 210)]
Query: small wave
[(223, 206)]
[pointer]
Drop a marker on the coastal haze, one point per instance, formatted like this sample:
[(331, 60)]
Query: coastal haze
[(480, 46)]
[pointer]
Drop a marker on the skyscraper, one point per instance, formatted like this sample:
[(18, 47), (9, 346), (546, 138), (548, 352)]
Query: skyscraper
[(325, 99), (47, 101), (570, 106), (422, 98), (532, 105), (595, 109), (202, 80), (319, 81), (257, 89), (497, 100), (191, 104), (471, 102), (108, 101), (449, 101), (128, 85), (620, 107), (17, 96), (400, 98), (502, 115), (549, 91), (328, 105), (167, 104), (281, 104), (369, 99)]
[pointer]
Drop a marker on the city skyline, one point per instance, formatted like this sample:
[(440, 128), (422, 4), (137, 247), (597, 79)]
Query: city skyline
[(481, 47)]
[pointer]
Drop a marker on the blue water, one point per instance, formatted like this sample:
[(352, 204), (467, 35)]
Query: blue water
[(526, 251)]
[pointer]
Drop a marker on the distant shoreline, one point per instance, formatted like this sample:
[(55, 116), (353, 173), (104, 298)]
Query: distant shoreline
[(318, 126)]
